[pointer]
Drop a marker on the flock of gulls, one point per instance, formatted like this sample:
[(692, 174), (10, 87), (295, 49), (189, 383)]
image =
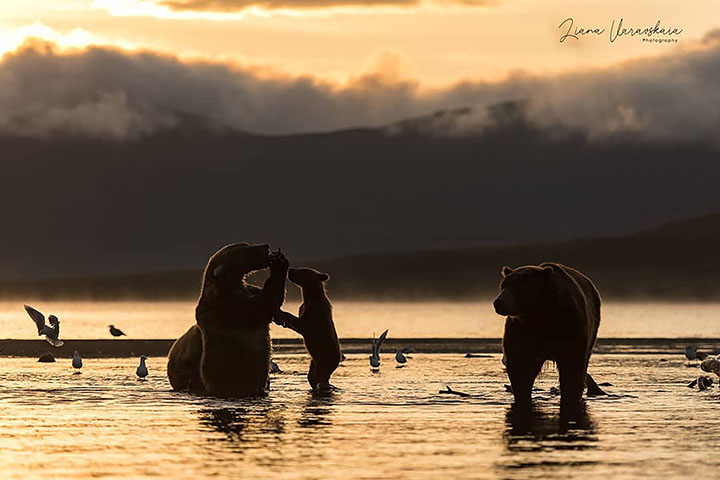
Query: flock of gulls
[(401, 355), (708, 363), (51, 331)]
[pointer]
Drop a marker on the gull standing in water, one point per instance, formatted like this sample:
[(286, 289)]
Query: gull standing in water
[(51, 332), (400, 358), (691, 353), (376, 345), (142, 370), (77, 361), (274, 367)]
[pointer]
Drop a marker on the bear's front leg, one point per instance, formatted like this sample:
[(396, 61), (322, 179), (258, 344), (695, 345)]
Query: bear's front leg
[(273, 292), (522, 372), (524, 358), (287, 320)]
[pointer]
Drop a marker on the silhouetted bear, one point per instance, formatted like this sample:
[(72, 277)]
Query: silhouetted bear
[(227, 353), (315, 324), (553, 313)]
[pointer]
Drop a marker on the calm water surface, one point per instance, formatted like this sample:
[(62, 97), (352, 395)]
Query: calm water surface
[(83, 320), (103, 423)]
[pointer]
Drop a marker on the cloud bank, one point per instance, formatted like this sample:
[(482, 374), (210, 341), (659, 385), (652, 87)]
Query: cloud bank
[(109, 93)]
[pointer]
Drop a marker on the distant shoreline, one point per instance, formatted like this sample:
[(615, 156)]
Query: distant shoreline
[(481, 346), (674, 262)]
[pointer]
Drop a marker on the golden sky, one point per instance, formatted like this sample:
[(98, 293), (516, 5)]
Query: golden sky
[(437, 42)]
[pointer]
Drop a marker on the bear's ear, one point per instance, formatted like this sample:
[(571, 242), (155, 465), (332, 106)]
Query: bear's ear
[(324, 277), (506, 271), (217, 271), (547, 271)]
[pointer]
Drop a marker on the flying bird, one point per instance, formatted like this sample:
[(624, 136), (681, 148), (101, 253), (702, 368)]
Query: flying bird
[(142, 370), (77, 361), (51, 332), (115, 332), (376, 345)]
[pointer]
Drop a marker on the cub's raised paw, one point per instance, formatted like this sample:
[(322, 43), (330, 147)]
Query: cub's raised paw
[(278, 262)]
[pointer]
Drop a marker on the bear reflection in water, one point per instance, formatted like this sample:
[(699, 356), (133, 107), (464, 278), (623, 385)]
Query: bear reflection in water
[(529, 428), (318, 408), (265, 425), (240, 424)]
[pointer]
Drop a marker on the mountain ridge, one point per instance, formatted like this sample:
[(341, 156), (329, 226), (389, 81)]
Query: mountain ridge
[(672, 266)]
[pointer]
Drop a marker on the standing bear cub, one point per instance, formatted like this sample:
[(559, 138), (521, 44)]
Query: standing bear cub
[(553, 313), (227, 352), (315, 324)]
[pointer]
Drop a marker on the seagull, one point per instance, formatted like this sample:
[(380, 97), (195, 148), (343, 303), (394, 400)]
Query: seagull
[(142, 370), (704, 382), (51, 332), (691, 353), (77, 361), (274, 367), (711, 364), (399, 357), (115, 332), (46, 358), (376, 345)]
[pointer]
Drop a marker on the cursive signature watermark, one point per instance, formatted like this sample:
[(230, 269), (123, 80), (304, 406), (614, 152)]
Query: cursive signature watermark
[(653, 34)]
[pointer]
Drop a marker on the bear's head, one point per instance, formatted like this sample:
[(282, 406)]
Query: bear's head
[(521, 289), (307, 277), (228, 267)]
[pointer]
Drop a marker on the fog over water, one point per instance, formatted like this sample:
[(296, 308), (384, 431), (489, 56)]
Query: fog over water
[(162, 320)]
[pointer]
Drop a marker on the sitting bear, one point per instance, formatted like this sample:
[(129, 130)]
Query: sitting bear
[(315, 324), (553, 313), (227, 352)]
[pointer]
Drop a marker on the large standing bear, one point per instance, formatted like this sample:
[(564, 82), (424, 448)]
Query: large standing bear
[(227, 352), (553, 313)]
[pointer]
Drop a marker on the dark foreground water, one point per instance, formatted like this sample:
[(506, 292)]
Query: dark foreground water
[(103, 423)]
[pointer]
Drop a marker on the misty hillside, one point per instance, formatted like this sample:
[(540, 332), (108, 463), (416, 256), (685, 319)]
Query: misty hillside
[(675, 262), (83, 207)]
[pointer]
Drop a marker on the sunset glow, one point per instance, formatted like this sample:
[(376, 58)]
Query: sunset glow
[(438, 42)]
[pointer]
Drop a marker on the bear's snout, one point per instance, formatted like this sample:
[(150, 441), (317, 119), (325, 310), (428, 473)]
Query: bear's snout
[(500, 307)]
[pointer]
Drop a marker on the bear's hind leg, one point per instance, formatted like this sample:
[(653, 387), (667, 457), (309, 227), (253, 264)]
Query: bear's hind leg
[(312, 375), (572, 380), (324, 372)]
